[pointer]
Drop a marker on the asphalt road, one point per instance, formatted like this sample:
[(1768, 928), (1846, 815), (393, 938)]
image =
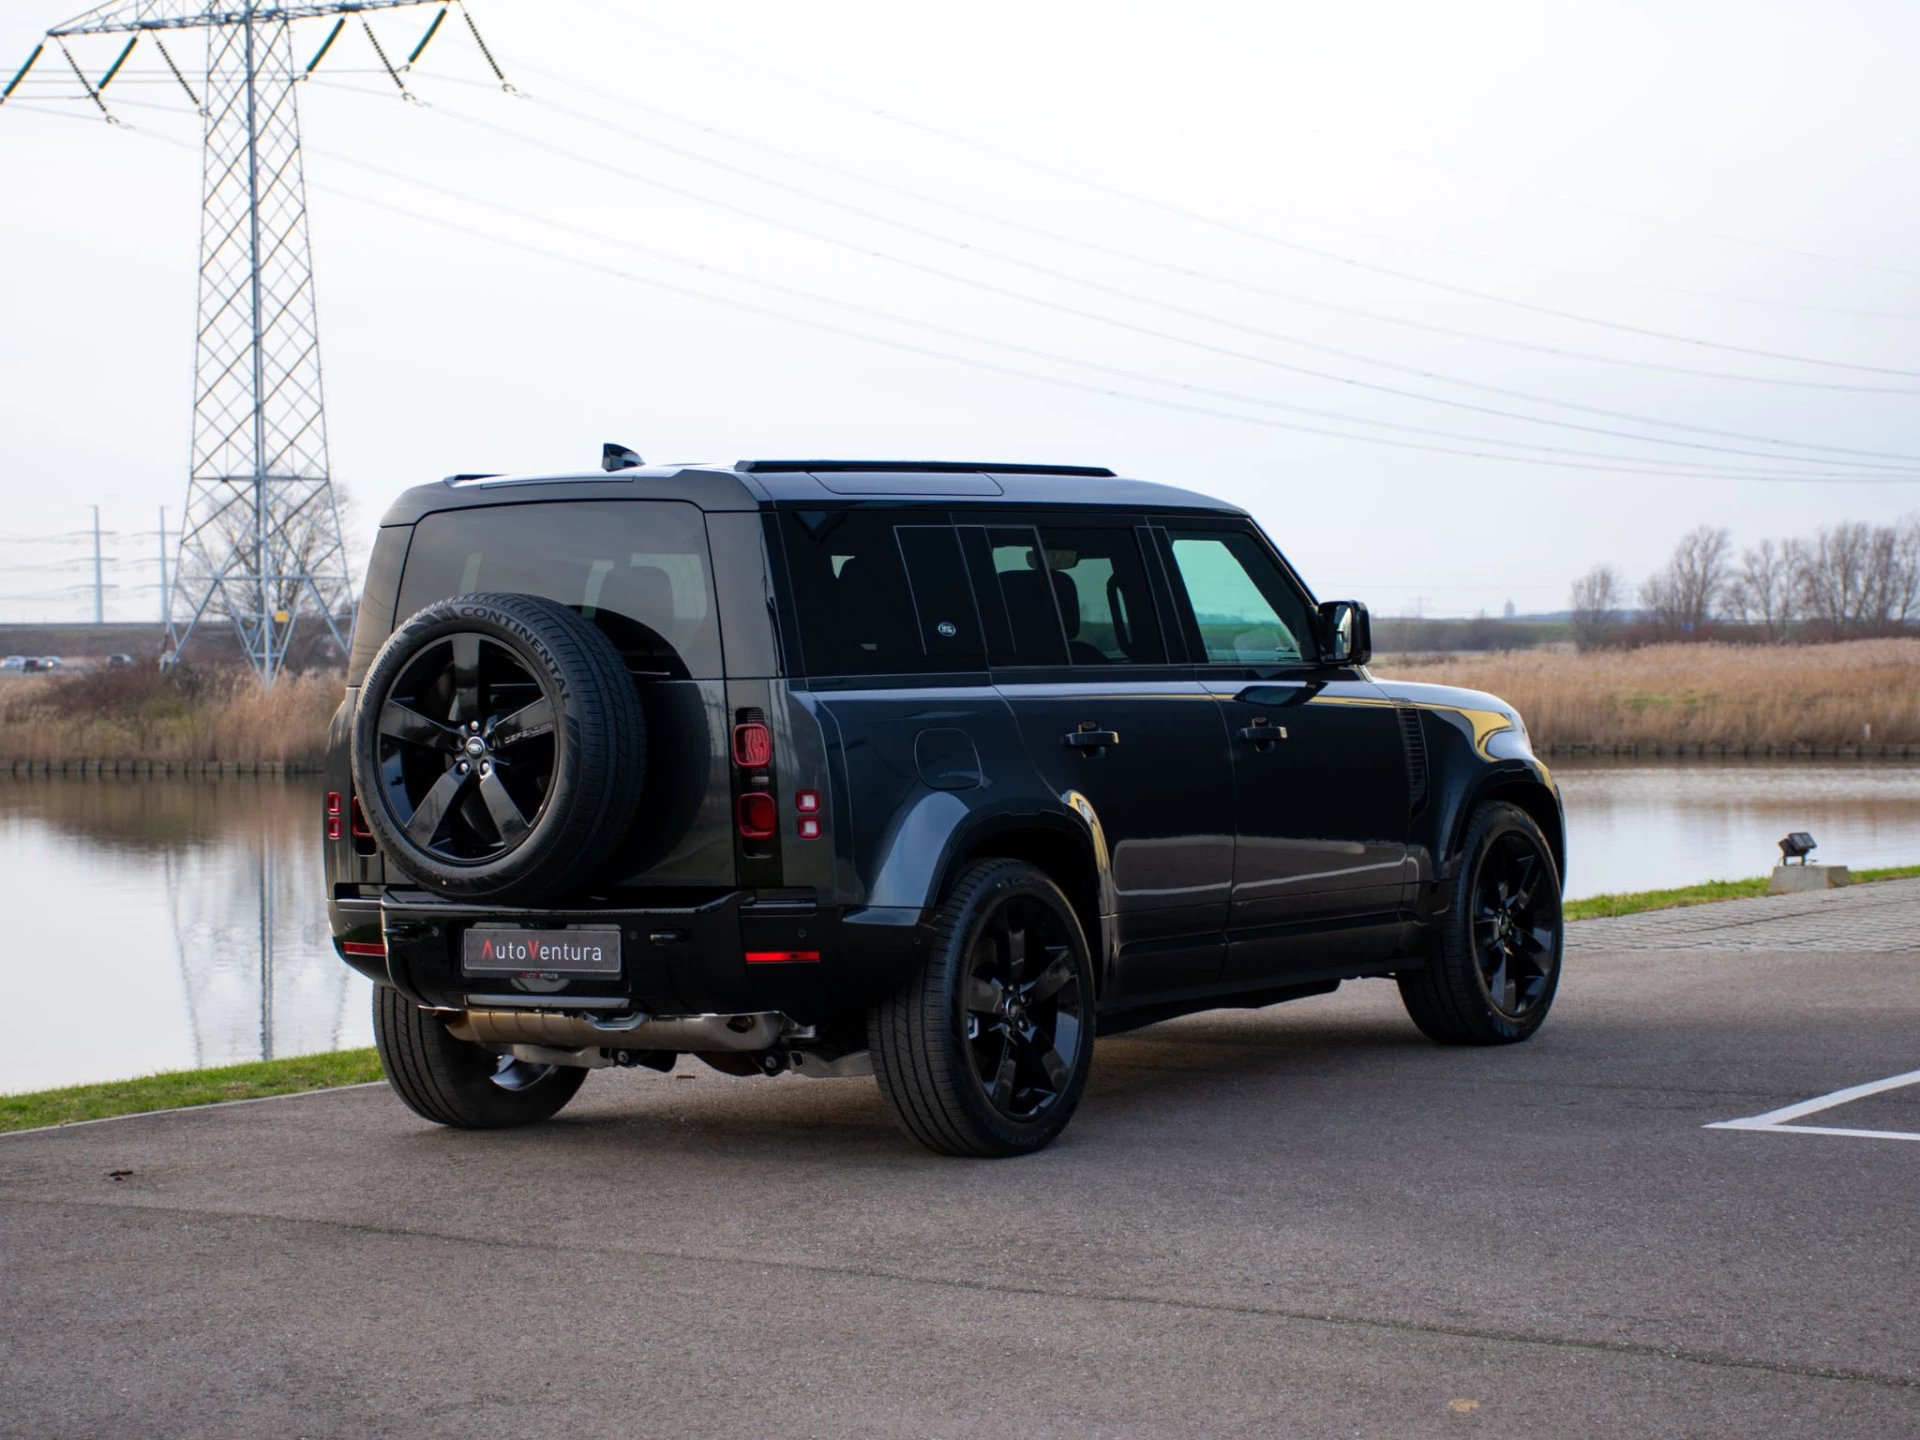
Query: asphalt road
[(1305, 1221)]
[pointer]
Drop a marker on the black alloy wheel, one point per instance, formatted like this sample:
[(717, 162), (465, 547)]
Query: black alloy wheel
[(498, 748), (1023, 1008), (986, 1050), (1493, 967), (1516, 923), (467, 748)]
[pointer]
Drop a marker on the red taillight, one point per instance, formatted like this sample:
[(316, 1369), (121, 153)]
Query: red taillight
[(757, 815), (752, 746), (361, 830), (783, 957), (333, 814), (363, 947)]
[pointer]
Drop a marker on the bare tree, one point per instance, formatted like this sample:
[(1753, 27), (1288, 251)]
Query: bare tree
[(1835, 578), (1596, 606), (1766, 589), (1682, 598)]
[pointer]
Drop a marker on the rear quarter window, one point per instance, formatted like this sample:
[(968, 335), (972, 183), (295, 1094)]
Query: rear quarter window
[(638, 569)]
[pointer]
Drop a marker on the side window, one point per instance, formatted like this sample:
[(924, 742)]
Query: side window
[(1100, 585), (1245, 609), (880, 594), (636, 568), (1022, 617)]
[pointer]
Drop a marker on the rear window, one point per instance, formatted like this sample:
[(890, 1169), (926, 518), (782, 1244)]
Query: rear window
[(637, 568), (881, 593)]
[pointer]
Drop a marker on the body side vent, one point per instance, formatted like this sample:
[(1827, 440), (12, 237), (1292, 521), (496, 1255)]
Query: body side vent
[(1413, 743)]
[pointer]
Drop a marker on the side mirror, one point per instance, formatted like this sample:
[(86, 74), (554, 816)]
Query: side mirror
[(1347, 633)]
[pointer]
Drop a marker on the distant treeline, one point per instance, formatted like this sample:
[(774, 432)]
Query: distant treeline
[(1405, 635), (1848, 582)]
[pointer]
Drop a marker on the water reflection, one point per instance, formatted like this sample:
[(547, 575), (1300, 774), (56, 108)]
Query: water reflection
[(162, 925), (1635, 825), (165, 925)]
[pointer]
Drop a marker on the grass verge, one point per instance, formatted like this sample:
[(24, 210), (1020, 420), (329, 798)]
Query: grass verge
[(182, 1088), (1599, 907)]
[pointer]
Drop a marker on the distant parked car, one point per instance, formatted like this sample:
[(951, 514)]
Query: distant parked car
[(32, 663), (14, 662), (119, 662), (50, 662)]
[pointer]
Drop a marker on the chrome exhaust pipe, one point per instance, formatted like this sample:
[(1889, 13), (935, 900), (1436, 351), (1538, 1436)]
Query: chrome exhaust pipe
[(686, 1034)]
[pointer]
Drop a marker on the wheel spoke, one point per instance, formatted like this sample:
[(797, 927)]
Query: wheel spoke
[(401, 722), (1001, 1090), (507, 818), (1049, 1060), (1538, 943), (1052, 979), (466, 677), (524, 723), (1529, 881), (431, 813), (1016, 950), (1500, 984), (983, 996)]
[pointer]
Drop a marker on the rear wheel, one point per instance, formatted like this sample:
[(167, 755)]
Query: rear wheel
[(453, 1082), (1495, 964), (986, 1051)]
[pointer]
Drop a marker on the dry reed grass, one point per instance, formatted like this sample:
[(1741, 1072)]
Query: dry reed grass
[(1860, 692), (139, 714)]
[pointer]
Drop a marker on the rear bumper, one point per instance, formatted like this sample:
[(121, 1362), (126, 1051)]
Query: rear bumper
[(688, 960)]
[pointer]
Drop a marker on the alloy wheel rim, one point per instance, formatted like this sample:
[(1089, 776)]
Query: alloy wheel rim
[(467, 749), (1022, 1009), (1516, 924)]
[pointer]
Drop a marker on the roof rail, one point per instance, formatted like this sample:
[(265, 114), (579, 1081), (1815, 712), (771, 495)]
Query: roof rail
[(920, 467)]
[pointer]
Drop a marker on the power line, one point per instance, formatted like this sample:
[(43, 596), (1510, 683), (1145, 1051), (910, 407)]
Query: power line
[(1059, 172), (654, 252)]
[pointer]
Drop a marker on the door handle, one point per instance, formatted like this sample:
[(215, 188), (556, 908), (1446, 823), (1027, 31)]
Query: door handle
[(1261, 735), (1089, 738)]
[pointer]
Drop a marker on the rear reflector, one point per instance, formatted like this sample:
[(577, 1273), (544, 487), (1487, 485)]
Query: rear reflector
[(757, 815), (809, 828), (333, 827), (333, 802), (361, 830), (364, 947), (783, 957), (807, 802), (752, 746)]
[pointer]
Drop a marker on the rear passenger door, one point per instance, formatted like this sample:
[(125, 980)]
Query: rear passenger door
[(1076, 619), (1319, 772)]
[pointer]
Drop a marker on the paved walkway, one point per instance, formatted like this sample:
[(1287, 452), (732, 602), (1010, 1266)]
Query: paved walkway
[(1882, 917), (1302, 1221)]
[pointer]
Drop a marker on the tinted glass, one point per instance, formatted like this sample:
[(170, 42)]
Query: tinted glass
[(637, 569), (860, 612), (1246, 611), (1100, 586), (1023, 617)]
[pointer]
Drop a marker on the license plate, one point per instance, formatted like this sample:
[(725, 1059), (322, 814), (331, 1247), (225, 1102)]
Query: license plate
[(499, 951)]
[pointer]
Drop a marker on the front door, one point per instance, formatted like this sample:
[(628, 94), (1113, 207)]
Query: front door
[(1319, 769), (1079, 647)]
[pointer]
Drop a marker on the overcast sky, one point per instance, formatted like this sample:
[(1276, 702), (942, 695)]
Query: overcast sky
[(1738, 177)]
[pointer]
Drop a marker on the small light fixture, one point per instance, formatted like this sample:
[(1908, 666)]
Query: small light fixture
[(1797, 846)]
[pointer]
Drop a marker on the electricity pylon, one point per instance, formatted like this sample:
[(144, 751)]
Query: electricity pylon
[(260, 544)]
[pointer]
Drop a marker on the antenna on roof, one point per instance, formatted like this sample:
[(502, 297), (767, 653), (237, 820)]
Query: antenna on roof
[(618, 457)]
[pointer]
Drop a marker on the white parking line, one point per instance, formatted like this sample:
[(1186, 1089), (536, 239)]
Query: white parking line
[(1776, 1120)]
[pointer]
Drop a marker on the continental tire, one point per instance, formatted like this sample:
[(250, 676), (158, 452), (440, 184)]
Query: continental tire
[(985, 1052), (1494, 967), (452, 1082), (498, 748)]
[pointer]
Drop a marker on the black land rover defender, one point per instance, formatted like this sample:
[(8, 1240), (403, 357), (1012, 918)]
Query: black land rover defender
[(925, 769)]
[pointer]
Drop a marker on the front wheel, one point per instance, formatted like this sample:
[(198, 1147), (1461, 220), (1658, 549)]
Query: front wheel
[(1494, 968), (454, 1082), (986, 1051)]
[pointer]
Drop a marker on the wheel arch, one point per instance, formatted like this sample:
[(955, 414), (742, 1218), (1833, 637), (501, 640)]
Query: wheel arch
[(1067, 852), (1526, 791)]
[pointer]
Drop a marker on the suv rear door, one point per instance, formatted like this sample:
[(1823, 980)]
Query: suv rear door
[(1319, 775), (1073, 612)]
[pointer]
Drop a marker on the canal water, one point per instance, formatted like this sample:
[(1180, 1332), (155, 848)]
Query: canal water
[(160, 925)]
